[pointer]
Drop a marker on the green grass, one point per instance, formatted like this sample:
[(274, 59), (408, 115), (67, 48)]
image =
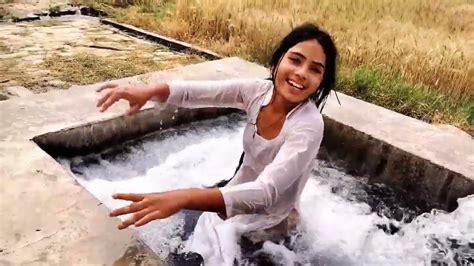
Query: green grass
[(373, 85), (54, 9), (4, 13)]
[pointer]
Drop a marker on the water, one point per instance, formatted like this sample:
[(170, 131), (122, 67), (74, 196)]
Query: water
[(347, 221)]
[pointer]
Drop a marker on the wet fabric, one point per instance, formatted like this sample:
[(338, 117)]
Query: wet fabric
[(267, 187)]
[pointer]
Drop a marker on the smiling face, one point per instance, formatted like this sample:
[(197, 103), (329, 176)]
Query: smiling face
[(300, 71)]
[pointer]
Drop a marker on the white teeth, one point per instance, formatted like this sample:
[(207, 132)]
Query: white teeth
[(298, 86)]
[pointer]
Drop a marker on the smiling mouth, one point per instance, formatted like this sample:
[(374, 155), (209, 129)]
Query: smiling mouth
[(295, 85)]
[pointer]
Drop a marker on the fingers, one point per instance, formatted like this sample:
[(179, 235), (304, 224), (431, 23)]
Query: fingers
[(134, 207), (129, 196), (104, 98), (144, 210), (106, 86), (133, 109), (111, 99), (150, 217), (137, 216)]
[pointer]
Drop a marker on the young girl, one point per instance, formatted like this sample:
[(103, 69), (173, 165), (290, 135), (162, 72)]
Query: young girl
[(281, 140)]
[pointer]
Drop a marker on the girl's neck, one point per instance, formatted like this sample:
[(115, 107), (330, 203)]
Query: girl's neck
[(280, 105)]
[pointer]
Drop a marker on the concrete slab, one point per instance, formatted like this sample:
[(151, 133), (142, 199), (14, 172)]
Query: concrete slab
[(20, 8), (29, 55), (434, 165), (414, 136), (46, 218), (19, 91)]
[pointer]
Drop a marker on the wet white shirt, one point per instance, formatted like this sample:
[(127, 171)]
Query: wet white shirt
[(268, 185)]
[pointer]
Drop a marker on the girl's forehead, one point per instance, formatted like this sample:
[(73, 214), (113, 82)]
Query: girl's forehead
[(309, 45), (309, 49)]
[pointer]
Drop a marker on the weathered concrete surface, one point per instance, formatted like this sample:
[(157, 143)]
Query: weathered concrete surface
[(29, 51), (37, 193), (406, 153), (21, 8), (19, 91), (48, 219)]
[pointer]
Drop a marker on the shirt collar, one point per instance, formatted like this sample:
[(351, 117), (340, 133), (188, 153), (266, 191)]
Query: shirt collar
[(268, 97)]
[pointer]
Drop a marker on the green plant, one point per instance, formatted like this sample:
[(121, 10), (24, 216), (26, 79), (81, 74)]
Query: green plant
[(54, 9)]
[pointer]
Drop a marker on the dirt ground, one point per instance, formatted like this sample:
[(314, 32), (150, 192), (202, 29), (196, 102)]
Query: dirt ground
[(55, 53), (20, 8)]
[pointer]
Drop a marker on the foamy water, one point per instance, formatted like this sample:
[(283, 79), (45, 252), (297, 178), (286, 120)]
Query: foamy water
[(341, 228)]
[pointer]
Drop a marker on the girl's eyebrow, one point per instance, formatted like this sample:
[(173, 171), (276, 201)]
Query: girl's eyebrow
[(314, 62)]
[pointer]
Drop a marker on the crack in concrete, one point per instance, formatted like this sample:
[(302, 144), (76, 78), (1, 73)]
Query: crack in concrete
[(67, 208), (35, 242)]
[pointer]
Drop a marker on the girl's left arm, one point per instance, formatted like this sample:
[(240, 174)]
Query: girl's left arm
[(148, 207)]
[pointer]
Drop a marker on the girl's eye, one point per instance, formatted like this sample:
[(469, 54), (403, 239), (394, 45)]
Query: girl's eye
[(316, 70), (294, 60)]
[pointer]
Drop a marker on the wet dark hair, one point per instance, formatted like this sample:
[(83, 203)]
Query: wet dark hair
[(306, 32)]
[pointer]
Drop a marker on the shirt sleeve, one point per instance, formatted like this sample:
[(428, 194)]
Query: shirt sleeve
[(233, 93), (281, 176)]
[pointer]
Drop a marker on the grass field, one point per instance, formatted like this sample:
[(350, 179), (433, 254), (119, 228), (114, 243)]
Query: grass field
[(414, 57)]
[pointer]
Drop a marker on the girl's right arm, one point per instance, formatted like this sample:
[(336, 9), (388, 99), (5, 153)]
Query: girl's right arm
[(190, 94)]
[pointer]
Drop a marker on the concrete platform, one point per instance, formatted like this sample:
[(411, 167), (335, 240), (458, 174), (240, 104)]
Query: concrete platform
[(46, 218), (429, 163), (30, 57)]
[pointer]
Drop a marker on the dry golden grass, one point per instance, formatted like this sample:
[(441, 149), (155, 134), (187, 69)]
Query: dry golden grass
[(88, 68), (85, 68), (3, 47), (412, 56), (426, 41)]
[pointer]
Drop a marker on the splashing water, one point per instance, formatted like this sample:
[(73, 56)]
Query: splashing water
[(346, 221)]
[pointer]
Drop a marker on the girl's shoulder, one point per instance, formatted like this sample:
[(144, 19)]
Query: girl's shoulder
[(308, 116), (257, 85), (256, 89)]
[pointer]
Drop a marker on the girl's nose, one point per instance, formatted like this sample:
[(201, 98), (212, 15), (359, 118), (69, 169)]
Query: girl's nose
[(300, 72)]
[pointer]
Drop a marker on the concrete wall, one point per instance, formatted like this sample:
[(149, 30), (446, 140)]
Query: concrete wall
[(360, 154), (429, 163), (96, 136)]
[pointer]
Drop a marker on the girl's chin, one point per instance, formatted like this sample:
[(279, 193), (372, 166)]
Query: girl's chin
[(294, 98), (294, 93)]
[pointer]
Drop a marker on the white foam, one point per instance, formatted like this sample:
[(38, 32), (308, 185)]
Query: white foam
[(346, 232), (339, 231)]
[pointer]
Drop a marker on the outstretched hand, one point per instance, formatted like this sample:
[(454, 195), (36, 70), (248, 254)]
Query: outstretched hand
[(148, 207), (136, 96)]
